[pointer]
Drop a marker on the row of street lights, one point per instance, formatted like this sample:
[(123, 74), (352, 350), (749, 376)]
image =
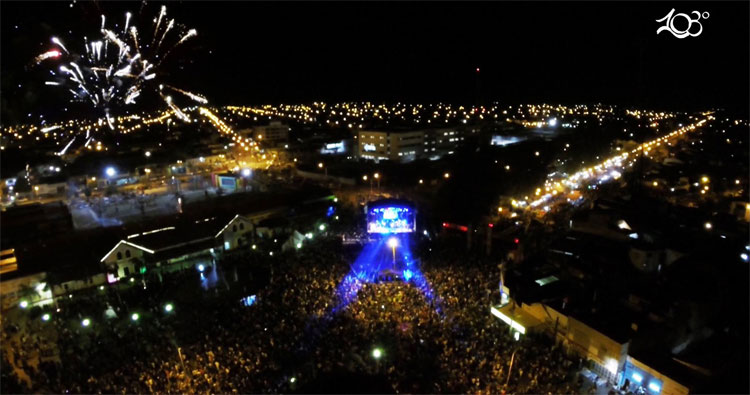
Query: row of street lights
[(375, 176), (86, 322)]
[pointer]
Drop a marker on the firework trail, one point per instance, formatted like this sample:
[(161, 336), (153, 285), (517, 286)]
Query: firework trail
[(57, 42), (195, 97), (49, 54)]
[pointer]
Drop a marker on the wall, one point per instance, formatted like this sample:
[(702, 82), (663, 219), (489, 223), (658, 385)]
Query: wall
[(597, 347), (406, 146), (238, 228), (547, 316), (78, 285), (322, 177), (111, 261), (378, 139), (668, 386), (51, 189), (10, 295)]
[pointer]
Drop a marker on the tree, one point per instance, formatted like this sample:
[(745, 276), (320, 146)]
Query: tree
[(27, 292)]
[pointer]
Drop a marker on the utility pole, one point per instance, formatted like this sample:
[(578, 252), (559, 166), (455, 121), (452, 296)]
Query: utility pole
[(478, 89), (512, 357), (490, 228)]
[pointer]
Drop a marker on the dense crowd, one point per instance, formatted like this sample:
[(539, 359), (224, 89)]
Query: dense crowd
[(300, 329)]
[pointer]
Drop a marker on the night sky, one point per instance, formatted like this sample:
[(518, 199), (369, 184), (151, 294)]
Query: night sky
[(258, 53)]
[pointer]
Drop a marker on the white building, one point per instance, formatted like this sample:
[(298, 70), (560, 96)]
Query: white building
[(237, 233)]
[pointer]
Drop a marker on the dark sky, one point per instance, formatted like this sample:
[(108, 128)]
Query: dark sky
[(253, 53)]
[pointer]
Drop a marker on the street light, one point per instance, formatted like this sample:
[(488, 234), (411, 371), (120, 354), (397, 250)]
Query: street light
[(447, 175), (110, 171), (86, 322), (168, 307), (135, 317), (393, 243), (320, 166), (377, 352)]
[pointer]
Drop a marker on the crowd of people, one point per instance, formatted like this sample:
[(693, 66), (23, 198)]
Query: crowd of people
[(298, 330)]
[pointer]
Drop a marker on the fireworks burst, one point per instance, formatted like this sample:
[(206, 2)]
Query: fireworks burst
[(109, 77)]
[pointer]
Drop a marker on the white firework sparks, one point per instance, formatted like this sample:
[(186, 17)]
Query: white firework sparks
[(106, 79), (59, 43)]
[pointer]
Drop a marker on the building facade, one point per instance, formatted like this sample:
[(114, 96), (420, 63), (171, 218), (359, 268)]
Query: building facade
[(407, 145), (273, 134)]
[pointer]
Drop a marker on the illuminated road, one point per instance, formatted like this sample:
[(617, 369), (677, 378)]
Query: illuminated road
[(553, 192)]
